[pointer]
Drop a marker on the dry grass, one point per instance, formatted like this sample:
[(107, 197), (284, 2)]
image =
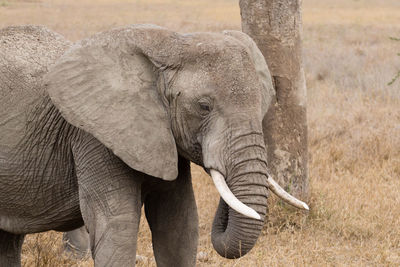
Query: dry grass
[(354, 128)]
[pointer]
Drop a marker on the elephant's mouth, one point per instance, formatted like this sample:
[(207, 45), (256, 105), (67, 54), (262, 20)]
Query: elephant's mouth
[(237, 205)]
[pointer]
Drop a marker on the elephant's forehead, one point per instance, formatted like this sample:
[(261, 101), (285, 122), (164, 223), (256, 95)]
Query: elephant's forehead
[(235, 80), (220, 65), (230, 79), (234, 74)]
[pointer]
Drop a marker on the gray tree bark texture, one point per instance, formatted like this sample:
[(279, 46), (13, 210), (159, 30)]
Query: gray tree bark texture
[(276, 27)]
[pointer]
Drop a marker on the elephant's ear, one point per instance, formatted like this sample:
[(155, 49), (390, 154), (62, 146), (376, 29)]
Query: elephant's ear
[(107, 86), (261, 67)]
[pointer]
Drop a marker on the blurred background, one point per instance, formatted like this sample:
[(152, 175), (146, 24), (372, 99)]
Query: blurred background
[(353, 117)]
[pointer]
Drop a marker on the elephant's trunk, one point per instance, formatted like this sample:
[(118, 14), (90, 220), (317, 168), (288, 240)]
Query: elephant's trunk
[(229, 197), (234, 234), (244, 189)]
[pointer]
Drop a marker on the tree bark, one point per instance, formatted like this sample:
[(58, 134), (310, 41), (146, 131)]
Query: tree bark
[(276, 26)]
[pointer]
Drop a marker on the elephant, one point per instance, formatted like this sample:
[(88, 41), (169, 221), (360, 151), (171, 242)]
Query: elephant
[(93, 131)]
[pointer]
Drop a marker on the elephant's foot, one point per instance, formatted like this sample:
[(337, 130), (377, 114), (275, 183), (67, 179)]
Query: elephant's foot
[(77, 244), (10, 249)]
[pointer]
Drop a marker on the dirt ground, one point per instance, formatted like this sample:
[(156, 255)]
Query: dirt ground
[(354, 128)]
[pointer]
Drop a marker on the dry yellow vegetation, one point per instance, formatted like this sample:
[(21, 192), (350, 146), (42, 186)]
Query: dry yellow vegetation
[(354, 128)]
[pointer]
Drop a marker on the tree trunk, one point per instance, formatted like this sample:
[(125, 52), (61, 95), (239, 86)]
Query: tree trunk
[(275, 26)]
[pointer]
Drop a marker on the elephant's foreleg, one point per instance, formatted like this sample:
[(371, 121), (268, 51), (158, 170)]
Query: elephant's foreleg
[(173, 220), (110, 201), (10, 249)]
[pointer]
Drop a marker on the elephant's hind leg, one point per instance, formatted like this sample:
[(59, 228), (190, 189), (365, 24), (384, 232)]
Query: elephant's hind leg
[(10, 249)]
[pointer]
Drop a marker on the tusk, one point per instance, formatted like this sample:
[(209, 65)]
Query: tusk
[(280, 192), (229, 198)]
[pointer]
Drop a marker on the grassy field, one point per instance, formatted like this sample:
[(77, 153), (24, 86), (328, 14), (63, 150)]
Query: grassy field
[(354, 128)]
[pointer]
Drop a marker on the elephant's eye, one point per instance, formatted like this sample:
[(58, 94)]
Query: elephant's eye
[(205, 106)]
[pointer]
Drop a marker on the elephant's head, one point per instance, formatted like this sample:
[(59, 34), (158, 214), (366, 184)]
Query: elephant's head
[(148, 94)]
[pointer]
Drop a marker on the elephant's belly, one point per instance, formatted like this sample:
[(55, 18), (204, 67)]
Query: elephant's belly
[(38, 214), (36, 204), (27, 225), (32, 219)]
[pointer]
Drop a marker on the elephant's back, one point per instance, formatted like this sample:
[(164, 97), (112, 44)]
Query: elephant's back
[(26, 52)]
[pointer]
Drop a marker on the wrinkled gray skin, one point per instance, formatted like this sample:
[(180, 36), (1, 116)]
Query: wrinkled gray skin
[(91, 135)]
